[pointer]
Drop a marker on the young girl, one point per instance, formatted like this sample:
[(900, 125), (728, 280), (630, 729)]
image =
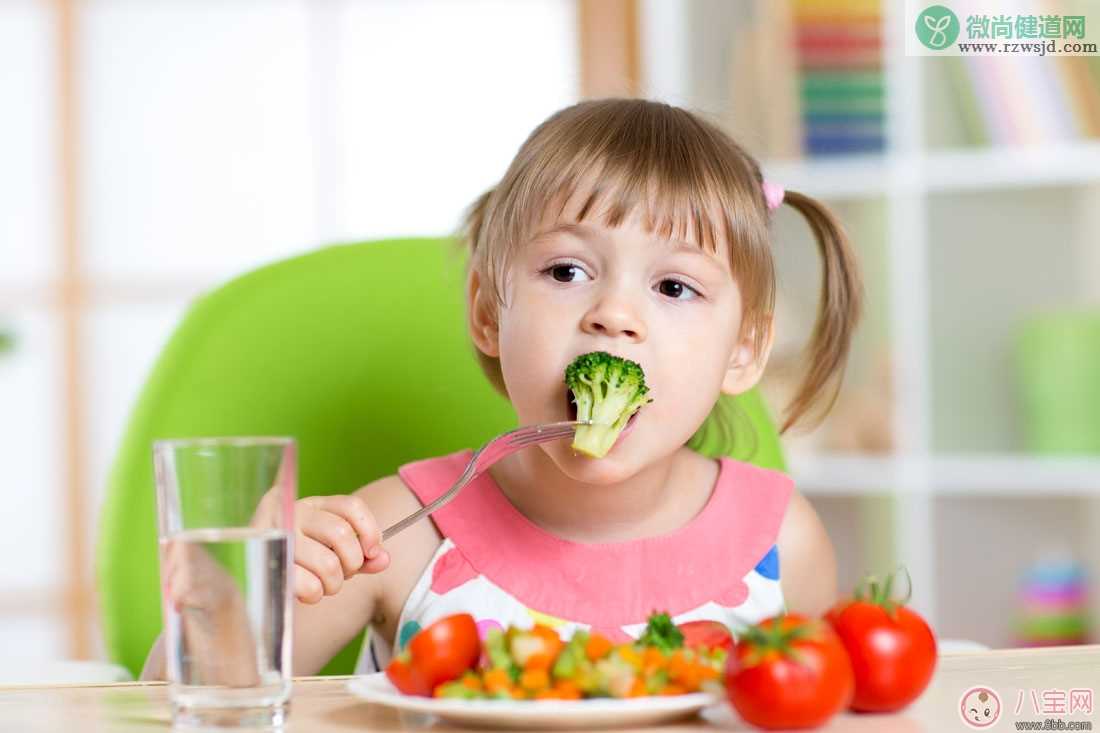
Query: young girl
[(637, 228)]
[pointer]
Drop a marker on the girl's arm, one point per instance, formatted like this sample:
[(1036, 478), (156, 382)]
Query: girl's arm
[(807, 561), (154, 668), (322, 629)]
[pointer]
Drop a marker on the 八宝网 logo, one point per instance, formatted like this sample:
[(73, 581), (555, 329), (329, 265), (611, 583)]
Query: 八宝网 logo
[(980, 707)]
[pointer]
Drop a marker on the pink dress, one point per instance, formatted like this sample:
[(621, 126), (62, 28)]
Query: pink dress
[(500, 567)]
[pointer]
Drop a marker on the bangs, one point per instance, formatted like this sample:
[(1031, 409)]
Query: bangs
[(683, 210)]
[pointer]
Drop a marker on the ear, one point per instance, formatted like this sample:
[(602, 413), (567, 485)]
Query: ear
[(480, 316), (746, 367)]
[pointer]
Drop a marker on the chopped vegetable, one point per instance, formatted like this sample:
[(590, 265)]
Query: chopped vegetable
[(607, 390), (535, 664), (662, 633)]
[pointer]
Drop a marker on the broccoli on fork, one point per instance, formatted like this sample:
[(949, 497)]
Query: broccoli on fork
[(607, 390)]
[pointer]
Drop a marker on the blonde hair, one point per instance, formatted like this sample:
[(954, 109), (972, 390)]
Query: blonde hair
[(631, 151)]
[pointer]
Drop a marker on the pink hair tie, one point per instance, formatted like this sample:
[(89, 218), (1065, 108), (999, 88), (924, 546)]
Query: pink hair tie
[(773, 194)]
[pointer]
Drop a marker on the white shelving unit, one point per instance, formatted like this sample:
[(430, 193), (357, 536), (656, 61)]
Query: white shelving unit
[(933, 474)]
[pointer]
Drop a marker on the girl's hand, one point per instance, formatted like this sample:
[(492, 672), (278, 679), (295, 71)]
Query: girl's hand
[(193, 580), (216, 631), (335, 538)]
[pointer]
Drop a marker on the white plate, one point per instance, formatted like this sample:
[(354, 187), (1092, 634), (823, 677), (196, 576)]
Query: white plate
[(536, 714)]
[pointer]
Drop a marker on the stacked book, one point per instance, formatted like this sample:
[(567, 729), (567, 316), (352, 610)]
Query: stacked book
[(1019, 100), (841, 81), (807, 78)]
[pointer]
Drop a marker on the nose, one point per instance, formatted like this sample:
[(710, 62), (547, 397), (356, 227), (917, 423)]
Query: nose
[(614, 316)]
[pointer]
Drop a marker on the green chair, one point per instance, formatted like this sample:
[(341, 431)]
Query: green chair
[(359, 351)]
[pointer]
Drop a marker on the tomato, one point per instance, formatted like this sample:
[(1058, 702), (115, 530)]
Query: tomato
[(440, 653), (711, 634), (893, 650), (789, 672), (407, 679)]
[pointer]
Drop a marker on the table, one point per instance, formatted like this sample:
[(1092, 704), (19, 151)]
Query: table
[(323, 704)]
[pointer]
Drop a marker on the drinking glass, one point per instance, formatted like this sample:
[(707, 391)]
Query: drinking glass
[(225, 511)]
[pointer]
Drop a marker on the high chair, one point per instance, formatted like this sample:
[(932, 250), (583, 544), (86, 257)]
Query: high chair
[(318, 347)]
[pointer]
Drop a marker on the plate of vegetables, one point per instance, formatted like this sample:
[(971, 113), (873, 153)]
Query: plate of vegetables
[(531, 678)]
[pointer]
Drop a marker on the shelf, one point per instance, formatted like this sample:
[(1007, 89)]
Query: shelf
[(972, 474), (934, 171), (1066, 164), (842, 475), (1006, 474), (842, 177)]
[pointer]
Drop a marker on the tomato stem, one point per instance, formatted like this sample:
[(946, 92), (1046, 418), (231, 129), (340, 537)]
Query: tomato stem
[(775, 637), (881, 593)]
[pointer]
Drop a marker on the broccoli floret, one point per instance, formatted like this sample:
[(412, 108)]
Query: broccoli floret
[(661, 632), (607, 390)]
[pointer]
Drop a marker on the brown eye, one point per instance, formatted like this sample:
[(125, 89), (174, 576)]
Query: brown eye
[(565, 273), (674, 289)]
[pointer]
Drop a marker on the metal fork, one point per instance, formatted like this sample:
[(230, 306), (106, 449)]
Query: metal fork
[(499, 447)]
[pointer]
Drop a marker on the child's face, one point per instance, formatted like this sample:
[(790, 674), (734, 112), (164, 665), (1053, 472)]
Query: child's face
[(676, 312)]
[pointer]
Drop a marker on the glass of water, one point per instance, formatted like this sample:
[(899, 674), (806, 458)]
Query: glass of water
[(225, 511)]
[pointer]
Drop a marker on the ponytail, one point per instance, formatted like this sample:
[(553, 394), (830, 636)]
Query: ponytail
[(840, 310)]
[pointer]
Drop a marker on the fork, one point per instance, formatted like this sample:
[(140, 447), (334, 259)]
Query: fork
[(499, 447)]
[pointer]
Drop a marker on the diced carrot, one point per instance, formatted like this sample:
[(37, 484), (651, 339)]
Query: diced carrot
[(707, 672), (597, 646), (638, 689), (553, 642), (567, 689), (497, 679), (677, 665), (672, 689), (534, 679), (689, 678), (653, 659), (471, 681), (539, 661)]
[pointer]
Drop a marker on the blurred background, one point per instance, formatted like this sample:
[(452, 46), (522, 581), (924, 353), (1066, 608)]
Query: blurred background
[(151, 150)]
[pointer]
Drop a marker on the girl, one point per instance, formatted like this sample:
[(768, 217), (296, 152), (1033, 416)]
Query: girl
[(637, 228)]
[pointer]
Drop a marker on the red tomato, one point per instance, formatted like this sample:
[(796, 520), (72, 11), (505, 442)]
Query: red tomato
[(406, 679), (893, 650), (711, 634), (789, 672), (440, 653)]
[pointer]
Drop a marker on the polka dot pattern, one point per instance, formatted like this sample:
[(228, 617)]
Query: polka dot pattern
[(485, 624), (408, 631)]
